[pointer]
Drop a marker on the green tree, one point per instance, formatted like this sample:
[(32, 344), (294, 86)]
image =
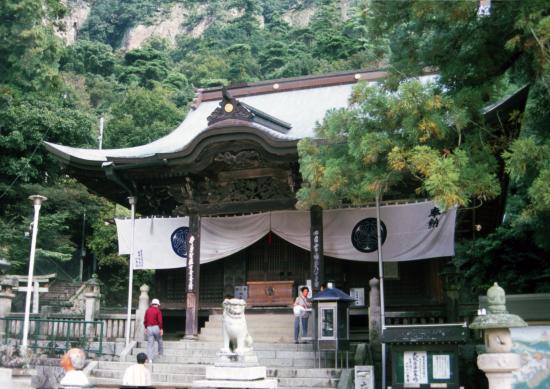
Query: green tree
[(477, 55), (143, 66), (242, 64), (395, 143), (142, 116), (89, 57), (481, 58), (28, 49)]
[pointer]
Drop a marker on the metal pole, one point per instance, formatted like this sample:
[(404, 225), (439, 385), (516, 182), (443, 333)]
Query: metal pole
[(381, 277), (100, 137), (132, 200), (82, 247), (37, 202)]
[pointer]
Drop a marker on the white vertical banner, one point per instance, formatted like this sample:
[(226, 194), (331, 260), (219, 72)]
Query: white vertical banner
[(159, 242)]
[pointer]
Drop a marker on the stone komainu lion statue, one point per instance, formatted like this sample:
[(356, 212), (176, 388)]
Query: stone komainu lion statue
[(235, 331)]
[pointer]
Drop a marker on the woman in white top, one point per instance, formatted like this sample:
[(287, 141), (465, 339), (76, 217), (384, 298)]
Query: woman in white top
[(302, 307)]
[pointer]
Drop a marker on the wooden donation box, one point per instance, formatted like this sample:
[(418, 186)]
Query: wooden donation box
[(270, 293)]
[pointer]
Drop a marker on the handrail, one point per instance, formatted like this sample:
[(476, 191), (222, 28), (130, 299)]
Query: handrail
[(55, 336)]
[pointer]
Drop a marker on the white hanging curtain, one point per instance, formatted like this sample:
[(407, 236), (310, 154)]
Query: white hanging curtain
[(413, 231)]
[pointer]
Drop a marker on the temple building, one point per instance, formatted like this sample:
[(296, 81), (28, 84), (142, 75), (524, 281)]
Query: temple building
[(235, 155)]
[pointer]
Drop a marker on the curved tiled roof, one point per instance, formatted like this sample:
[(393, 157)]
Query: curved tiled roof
[(302, 102)]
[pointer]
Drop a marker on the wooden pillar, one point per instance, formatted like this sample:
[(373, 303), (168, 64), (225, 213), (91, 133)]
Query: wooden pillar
[(317, 260), (192, 277)]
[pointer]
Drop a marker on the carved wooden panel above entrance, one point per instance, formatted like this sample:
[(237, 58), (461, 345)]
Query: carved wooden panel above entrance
[(228, 178)]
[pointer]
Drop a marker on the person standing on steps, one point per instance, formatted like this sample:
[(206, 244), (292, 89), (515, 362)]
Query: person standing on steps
[(153, 328), (302, 307)]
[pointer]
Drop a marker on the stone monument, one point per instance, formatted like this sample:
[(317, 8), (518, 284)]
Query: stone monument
[(498, 362), (237, 365)]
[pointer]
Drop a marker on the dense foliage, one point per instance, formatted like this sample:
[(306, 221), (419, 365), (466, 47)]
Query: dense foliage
[(388, 140), (407, 139), (452, 154)]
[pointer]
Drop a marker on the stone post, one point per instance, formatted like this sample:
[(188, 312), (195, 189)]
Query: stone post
[(139, 331), (91, 298), (6, 297), (375, 328), (36, 297), (498, 362), (375, 324)]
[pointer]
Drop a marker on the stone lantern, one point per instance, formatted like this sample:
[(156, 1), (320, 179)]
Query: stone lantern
[(92, 297), (6, 295), (498, 362)]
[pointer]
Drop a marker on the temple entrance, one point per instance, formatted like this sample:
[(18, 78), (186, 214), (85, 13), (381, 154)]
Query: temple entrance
[(272, 258)]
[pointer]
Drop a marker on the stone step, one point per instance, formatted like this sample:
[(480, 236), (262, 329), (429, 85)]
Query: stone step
[(200, 345), (104, 383), (269, 362), (308, 382), (166, 368), (257, 319), (253, 331), (262, 354), (303, 378), (115, 383), (155, 377), (274, 338), (155, 368), (265, 337)]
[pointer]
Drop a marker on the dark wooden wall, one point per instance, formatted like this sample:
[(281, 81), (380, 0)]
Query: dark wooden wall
[(274, 259)]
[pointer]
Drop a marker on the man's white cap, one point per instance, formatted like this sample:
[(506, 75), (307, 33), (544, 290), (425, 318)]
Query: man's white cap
[(155, 301)]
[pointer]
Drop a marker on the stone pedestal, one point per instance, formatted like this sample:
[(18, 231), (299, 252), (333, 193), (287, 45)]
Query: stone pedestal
[(233, 370), (246, 373), (498, 368), (237, 365)]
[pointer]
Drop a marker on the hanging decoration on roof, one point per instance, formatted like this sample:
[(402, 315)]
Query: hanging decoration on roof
[(232, 109), (229, 108), (364, 237), (179, 241)]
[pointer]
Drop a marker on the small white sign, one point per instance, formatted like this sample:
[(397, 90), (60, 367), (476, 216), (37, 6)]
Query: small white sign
[(415, 365), (364, 377), (359, 295), (441, 367)]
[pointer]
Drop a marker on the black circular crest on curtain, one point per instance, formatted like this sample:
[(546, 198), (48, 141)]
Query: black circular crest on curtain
[(179, 241), (363, 236)]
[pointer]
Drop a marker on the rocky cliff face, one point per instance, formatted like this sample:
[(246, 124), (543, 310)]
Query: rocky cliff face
[(193, 21), (167, 28), (71, 24)]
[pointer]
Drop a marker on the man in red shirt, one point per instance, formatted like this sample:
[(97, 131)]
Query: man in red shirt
[(153, 328)]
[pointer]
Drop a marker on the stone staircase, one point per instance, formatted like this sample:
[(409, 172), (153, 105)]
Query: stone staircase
[(59, 293), (185, 361), (263, 327)]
